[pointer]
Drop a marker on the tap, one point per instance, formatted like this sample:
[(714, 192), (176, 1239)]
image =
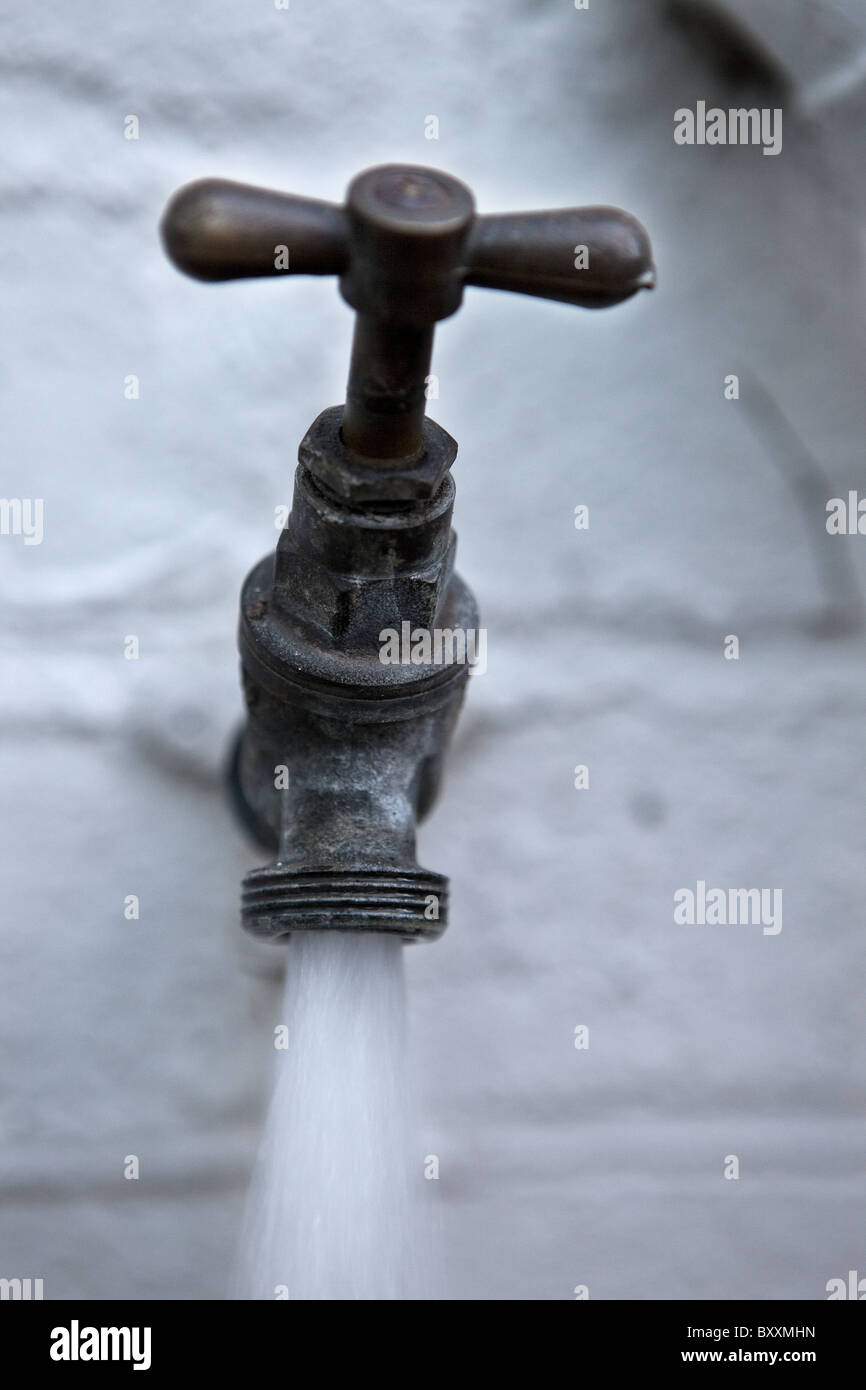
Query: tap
[(356, 634)]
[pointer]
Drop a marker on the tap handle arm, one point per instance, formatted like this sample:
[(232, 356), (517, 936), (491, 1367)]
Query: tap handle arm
[(218, 230), (593, 257)]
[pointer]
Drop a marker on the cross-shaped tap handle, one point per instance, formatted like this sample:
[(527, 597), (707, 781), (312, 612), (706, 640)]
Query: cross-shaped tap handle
[(404, 245)]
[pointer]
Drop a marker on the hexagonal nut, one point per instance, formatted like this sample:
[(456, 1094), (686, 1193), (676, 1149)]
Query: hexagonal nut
[(353, 611), (359, 481)]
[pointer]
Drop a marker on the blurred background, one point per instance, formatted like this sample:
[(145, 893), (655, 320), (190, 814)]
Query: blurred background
[(153, 1036)]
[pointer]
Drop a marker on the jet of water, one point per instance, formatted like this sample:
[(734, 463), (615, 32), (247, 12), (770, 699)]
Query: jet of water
[(329, 1214)]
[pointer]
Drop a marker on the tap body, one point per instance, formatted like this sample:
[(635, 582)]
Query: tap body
[(343, 749)]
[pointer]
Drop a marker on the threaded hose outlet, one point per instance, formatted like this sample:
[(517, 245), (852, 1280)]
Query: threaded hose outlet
[(412, 904)]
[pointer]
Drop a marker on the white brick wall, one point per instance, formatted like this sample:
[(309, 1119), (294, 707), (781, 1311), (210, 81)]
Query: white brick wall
[(153, 1037)]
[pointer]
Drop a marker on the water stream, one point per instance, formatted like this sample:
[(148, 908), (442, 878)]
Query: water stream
[(330, 1214)]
